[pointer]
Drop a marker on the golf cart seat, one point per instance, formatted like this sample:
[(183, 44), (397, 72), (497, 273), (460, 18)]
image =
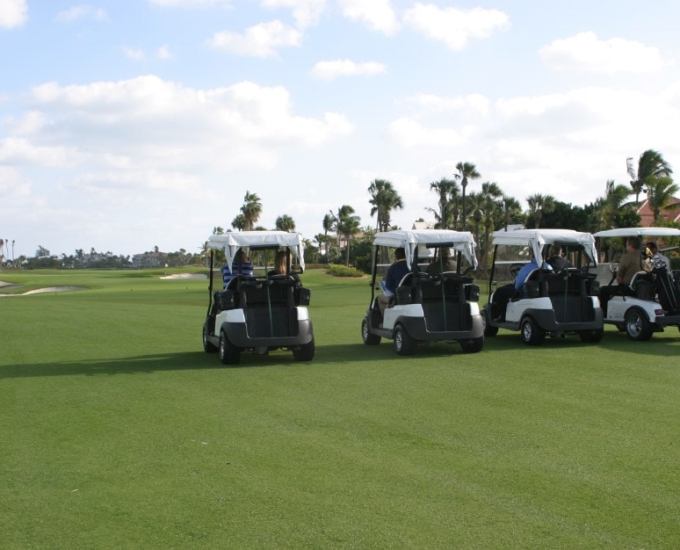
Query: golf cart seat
[(268, 307), (643, 286)]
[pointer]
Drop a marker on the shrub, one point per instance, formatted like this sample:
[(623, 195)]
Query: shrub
[(344, 271)]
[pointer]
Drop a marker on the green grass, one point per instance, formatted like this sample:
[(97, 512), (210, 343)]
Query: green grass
[(119, 432)]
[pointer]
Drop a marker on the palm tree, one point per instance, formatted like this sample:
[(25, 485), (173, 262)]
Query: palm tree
[(466, 171), (650, 163), (384, 199), (251, 210), (612, 203), (538, 205), (327, 223), (347, 225), (490, 202), (239, 223), (285, 223), (447, 191), (660, 191)]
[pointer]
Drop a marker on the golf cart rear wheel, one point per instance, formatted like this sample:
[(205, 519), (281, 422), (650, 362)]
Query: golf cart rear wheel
[(228, 352), (207, 346), (638, 326), (591, 336), (531, 333), (404, 343), (305, 352), (368, 337), (473, 345)]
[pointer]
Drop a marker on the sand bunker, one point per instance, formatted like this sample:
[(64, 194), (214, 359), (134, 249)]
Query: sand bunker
[(186, 276), (45, 290)]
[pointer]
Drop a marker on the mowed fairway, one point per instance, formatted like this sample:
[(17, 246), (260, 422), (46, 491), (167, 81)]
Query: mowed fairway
[(118, 431)]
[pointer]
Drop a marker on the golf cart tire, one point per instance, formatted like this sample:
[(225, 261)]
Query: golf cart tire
[(531, 333), (472, 346), (591, 336), (404, 343), (304, 352), (208, 347), (367, 336), (637, 325), (228, 352), (489, 329)]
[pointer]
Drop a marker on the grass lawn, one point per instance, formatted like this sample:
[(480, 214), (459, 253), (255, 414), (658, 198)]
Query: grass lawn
[(118, 431)]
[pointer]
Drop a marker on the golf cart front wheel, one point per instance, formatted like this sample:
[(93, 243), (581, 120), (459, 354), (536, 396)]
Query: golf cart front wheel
[(531, 333), (489, 329), (638, 326), (591, 336), (404, 343), (367, 336), (473, 345), (305, 352), (207, 346)]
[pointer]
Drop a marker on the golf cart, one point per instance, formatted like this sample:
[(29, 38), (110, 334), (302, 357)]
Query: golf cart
[(259, 312), (550, 302), (426, 307), (652, 299)]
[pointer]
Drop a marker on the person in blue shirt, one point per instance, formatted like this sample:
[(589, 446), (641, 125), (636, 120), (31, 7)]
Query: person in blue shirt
[(393, 277), (503, 295), (240, 266)]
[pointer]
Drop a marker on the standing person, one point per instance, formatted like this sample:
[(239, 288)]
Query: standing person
[(658, 259), (393, 277), (240, 266)]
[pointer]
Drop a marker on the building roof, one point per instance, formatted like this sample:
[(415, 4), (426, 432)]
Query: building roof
[(647, 216)]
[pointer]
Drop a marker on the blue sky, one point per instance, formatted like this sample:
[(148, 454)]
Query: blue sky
[(129, 124)]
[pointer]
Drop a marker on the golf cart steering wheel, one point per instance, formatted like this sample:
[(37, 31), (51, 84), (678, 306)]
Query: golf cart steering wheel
[(515, 269)]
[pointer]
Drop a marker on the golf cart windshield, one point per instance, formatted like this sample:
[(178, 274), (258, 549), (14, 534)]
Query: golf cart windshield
[(411, 240), (232, 242), (538, 238)]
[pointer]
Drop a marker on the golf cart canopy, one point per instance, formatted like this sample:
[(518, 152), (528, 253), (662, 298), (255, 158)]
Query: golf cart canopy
[(409, 240), (233, 241), (640, 232), (538, 238)]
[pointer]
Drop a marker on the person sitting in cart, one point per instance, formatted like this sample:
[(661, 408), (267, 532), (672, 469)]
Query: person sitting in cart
[(556, 260), (658, 259), (240, 266), (503, 294), (629, 264), (442, 264), (395, 273)]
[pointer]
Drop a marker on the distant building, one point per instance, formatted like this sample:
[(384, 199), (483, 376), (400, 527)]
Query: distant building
[(647, 216)]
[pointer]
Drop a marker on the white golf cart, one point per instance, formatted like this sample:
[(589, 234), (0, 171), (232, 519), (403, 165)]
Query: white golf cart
[(652, 299), (262, 312), (426, 307), (550, 302)]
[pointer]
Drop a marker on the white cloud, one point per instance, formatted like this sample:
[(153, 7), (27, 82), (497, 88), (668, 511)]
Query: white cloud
[(12, 183), (13, 13), (261, 40), (377, 14), (79, 12), (476, 103), (329, 70), (455, 27), (164, 52), (305, 12), (410, 133), (586, 52), (134, 53)]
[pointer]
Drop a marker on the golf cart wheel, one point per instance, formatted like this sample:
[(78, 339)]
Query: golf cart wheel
[(489, 329), (638, 326), (368, 337), (591, 336), (404, 343), (207, 346), (229, 353), (305, 352), (472, 346), (531, 333)]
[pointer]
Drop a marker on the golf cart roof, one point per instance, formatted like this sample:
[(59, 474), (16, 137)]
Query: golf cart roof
[(409, 240), (231, 242), (538, 238), (640, 232)]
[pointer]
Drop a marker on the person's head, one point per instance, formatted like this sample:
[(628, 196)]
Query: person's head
[(555, 250), (633, 243), (399, 254), (280, 262), (445, 252), (240, 256), (651, 245)]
